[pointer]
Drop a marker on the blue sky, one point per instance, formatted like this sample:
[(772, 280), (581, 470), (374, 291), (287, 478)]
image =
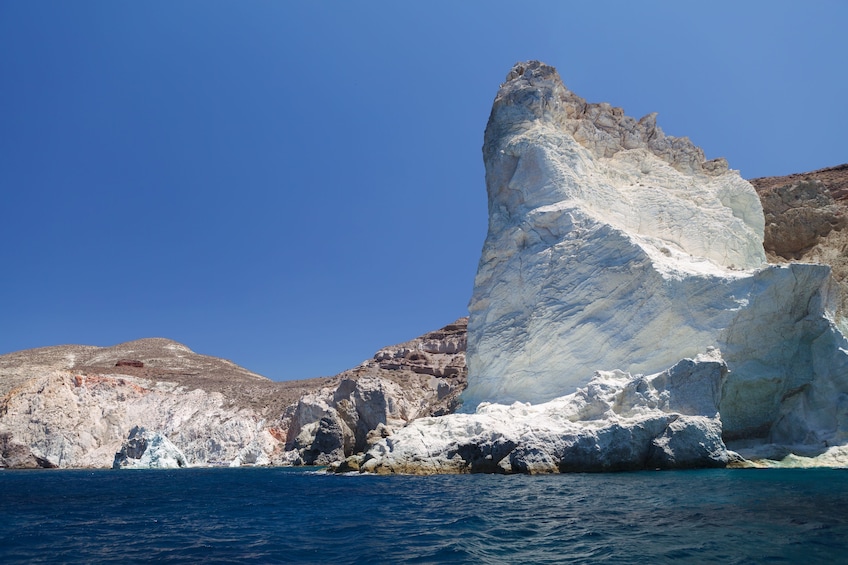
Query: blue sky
[(294, 185)]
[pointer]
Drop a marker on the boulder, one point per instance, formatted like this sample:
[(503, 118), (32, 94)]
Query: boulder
[(148, 450)]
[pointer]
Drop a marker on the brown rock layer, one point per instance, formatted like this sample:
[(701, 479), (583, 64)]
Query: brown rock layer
[(806, 216)]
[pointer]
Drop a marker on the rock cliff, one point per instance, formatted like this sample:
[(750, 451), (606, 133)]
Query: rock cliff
[(77, 406), (422, 377), (805, 219), (622, 290), (145, 450), (616, 423), (613, 247)]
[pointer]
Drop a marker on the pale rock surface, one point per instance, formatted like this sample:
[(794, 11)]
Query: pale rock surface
[(74, 406), (615, 250), (836, 456), (616, 422), (148, 450), (73, 420), (614, 246)]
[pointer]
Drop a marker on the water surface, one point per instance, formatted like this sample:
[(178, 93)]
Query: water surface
[(291, 515)]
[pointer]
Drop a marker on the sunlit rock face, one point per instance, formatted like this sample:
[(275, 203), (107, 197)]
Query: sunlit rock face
[(623, 314), (148, 450), (614, 246), (77, 406), (614, 423), (807, 220)]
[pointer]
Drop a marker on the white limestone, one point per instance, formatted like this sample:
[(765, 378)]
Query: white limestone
[(615, 250), (71, 420), (615, 422), (148, 450), (614, 246)]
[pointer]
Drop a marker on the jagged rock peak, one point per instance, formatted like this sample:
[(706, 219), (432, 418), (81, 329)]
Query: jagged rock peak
[(534, 90)]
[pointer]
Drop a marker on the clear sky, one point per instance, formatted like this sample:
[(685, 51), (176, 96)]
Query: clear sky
[(294, 185)]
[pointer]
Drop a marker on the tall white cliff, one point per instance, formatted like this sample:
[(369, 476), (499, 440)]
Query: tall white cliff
[(612, 246)]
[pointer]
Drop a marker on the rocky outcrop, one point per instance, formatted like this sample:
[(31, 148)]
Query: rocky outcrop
[(598, 249), (74, 406), (614, 247), (148, 450), (805, 219), (418, 378), (16, 455), (73, 419), (615, 423), (613, 252)]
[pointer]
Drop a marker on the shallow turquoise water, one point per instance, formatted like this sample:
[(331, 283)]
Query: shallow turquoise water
[(289, 515)]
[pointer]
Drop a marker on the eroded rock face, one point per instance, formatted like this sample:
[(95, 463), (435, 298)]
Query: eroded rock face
[(148, 450), (73, 420), (614, 247), (603, 235), (617, 422), (422, 377), (74, 406), (805, 221), (798, 215), (15, 455)]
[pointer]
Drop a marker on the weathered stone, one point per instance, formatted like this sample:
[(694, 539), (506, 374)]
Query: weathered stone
[(805, 221), (422, 377), (618, 422), (73, 406), (148, 450), (613, 246)]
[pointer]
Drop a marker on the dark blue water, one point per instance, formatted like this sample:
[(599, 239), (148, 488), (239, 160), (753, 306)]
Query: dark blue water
[(287, 516)]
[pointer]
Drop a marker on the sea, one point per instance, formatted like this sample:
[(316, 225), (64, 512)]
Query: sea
[(298, 515)]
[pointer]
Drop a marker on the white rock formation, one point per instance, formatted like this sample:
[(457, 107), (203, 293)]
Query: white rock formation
[(421, 377), (70, 420), (613, 247), (148, 450), (615, 423)]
